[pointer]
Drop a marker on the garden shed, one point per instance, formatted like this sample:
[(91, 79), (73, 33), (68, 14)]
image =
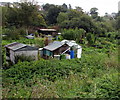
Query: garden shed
[(55, 48), (16, 49), (66, 47), (77, 48), (52, 32)]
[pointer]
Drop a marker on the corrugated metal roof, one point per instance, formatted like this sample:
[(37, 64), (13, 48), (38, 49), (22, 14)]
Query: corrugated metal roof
[(15, 46), (71, 43), (27, 48), (20, 47), (53, 46)]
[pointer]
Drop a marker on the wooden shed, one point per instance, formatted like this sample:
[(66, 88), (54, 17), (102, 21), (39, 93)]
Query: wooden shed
[(55, 48), (16, 49), (52, 32)]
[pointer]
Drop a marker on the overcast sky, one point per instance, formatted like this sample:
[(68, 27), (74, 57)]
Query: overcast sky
[(103, 6)]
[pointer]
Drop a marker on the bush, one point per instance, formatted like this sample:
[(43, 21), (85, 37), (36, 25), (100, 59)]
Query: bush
[(73, 34), (11, 34), (39, 42)]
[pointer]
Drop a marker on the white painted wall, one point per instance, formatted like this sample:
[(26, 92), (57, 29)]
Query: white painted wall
[(79, 52)]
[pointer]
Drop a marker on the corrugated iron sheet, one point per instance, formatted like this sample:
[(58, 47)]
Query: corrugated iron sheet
[(15, 46), (53, 46)]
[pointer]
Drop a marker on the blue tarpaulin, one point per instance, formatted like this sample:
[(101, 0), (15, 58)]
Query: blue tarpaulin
[(71, 54)]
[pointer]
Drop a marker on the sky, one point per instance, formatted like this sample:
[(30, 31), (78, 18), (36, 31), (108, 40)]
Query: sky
[(103, 6)]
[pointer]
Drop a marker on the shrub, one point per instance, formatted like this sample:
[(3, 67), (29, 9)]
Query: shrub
[(39, 42), (73, 34), (23, 58), (11, 34)]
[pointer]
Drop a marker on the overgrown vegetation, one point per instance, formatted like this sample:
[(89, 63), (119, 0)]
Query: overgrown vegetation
[(95, 75)]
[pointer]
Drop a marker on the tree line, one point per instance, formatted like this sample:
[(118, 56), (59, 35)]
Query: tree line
[(30, 16)]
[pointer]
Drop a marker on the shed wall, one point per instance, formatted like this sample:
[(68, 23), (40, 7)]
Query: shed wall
[(61, 49), (28, 53), (12, 57)]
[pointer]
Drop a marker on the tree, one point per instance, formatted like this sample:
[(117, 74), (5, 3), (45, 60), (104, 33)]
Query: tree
[(4, 19), (62, 17), (75, 19), (74, 14), (73, 34), (52, 15), (25, 15), (70, 7), (65, 8), (47, 6), (79, 34), (79, 9), (39, 21), (91, 38), (93, 12), (28, 13), (12, 13)]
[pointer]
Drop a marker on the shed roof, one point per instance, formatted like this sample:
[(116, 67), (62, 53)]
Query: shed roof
[(53, 46), (30, 37), (47, 30), (19, 46), (71, 43), (15, 46), (28, 48)]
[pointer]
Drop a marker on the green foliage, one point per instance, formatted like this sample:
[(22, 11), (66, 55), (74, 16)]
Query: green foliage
[(11, 34), (62, 17), (95, 75), (26, 15), (4, 20), (21, 40), (75, 18), (108, 86), (83, 77), (68, 34), (39, 42), (91, 38), (62, 57), (73, 34), (93, 12), (118, 23), (39, 21), (52, 14)]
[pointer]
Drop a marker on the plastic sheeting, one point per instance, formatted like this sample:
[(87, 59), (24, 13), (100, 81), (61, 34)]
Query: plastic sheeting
[(71, 54)]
